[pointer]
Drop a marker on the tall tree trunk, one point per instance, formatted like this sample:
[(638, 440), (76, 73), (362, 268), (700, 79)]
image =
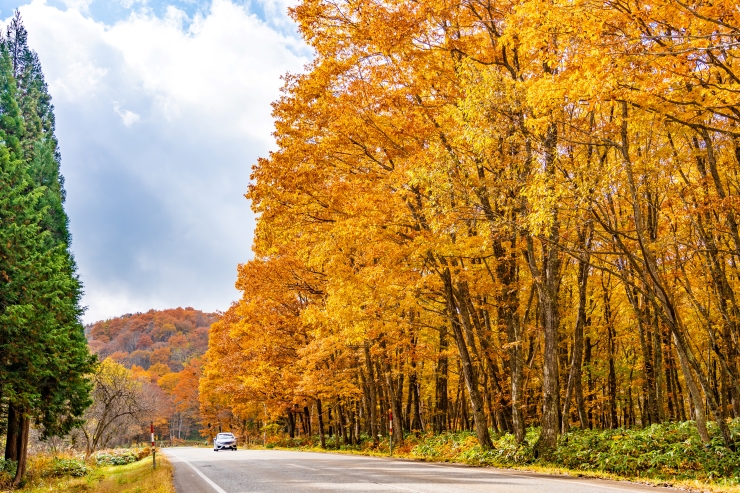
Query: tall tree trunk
[(587, 346), (442, 404), (291, 424), (658, 364), (488, 401), (705, 226), (320, 414), (663, 299), (373, 395), (649, 413), (366, 403), (399, 399), (407, 417), (700, 413), (726, 300), (394, 400), (507, 276), (670, 381), (342, 422), (417, 422), (383, 400), (14, 430), (611, 353), (471, 379), (546, 278), (574, 377), (547, 286), (470, 315), (22, 447), (550, 379), (413, 404)]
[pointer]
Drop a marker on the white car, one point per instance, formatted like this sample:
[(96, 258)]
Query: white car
[(224, 441)]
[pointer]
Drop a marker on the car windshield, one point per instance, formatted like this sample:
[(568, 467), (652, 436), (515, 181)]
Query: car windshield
[(225, 435)]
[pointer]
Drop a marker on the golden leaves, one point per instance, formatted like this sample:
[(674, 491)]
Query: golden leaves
[(435, 137)]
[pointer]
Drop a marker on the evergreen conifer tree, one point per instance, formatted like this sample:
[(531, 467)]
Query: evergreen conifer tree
[(45, 360)]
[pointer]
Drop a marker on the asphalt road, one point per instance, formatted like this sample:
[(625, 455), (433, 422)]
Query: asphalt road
[(201, 470)]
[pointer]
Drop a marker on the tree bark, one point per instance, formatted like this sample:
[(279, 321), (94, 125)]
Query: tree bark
[(14, 429), (471, 380), (574, 377), (470, 319), (699, 411), (546, 277), (373, 396), (394, 404), (442, 402), (664, 302), (320, 414), (22, 447), (342, 422), (611, 350)]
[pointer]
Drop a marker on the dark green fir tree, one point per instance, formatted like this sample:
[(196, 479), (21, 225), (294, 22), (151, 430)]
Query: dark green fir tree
[(45, 361)]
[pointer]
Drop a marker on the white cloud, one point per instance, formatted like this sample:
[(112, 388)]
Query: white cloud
[(276, 13), (80, 5), (128, 117), (156, 206), (130, 3)]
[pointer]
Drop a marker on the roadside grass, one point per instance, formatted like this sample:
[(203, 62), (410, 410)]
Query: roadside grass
[(669, 454), (46, 476)]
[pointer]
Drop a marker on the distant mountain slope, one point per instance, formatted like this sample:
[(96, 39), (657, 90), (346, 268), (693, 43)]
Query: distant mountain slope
[(168, 337)]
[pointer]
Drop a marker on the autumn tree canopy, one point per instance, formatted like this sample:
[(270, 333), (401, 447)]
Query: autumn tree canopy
[(495, 215), (163, 350)]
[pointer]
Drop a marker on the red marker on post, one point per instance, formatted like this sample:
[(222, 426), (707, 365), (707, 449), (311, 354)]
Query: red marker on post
[(390, 429), (154, 450)]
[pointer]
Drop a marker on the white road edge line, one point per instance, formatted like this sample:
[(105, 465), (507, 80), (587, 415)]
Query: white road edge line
[(302, 467), (583, 481), (213, 485), (391, 486)]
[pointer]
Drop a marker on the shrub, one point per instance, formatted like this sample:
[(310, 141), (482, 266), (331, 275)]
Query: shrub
[(664, 451), (67, 467), (143, 452), (114, 459), (8, 466), (120, 457), (7, 472)]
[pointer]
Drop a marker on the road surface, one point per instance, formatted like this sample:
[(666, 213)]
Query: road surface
[(201, 470)]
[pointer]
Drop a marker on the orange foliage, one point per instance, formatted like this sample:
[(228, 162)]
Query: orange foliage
[(495, 214), (164, 348)]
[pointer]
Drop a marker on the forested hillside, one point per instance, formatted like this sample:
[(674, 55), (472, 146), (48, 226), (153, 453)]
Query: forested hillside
[(45, 365), (162, 347), (494, 216), (167, 337)]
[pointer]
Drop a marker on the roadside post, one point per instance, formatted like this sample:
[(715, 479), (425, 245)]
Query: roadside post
[(264, 428), (390, 429), (154, 450)]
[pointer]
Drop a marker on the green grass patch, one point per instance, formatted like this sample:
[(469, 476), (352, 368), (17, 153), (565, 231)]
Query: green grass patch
[(72, 475)]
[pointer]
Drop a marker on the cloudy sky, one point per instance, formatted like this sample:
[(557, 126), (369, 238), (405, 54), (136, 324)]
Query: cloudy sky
[(162, 107)]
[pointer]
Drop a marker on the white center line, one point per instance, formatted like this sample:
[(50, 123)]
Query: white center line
[(302, 467), (391, 486)]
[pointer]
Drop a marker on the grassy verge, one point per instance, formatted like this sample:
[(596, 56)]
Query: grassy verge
[(668, 454), (135, 477)]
